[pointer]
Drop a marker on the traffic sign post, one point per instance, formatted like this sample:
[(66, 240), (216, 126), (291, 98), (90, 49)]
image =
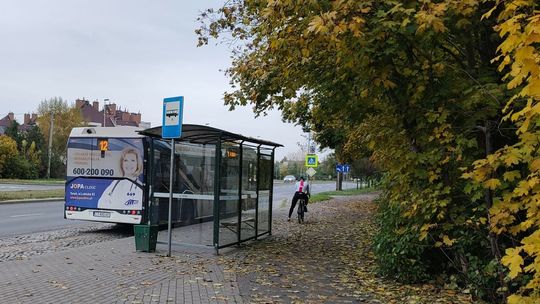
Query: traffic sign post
[(312, 160), (343, 168), (173, 108), (310, 172), (340, 169)]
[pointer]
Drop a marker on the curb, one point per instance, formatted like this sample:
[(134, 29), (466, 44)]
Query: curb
[(37, 200)]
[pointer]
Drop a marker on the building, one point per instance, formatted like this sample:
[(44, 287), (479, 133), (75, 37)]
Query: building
[(111, 116), (30, 120), (6, 121)]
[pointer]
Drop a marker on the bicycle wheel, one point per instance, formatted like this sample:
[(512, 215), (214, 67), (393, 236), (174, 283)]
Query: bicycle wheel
[(301, 204)]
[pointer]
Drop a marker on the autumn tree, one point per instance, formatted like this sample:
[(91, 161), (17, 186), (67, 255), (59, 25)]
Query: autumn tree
[(412, 85), (64, 118), (27, 164), (510, 174), (8, 151)]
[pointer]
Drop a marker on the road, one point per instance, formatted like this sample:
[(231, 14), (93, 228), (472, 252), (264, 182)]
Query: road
[(286, 191), (33, 217), (26, 218)]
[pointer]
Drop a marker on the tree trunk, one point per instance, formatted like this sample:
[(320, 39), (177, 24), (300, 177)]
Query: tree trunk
[(488, 197)]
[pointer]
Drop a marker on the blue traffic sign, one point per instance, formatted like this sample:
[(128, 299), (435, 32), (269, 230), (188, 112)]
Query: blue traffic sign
[(344, 168), (173, 108)]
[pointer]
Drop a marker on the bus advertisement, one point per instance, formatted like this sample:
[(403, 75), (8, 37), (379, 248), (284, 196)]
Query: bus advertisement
[(105, 177)]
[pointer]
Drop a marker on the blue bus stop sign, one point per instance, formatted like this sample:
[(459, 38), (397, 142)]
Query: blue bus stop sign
[(173, 108)]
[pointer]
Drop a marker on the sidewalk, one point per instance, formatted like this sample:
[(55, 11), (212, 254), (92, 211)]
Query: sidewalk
[(325, 260), (112, 272)]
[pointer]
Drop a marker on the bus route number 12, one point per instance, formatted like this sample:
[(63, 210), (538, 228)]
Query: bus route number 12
[(103, 145)]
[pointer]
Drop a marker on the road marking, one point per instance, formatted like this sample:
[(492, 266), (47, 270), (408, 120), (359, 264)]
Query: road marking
[(30, 214)]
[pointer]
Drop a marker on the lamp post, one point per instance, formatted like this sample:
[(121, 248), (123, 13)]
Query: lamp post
[(50, 142), (104, 109)]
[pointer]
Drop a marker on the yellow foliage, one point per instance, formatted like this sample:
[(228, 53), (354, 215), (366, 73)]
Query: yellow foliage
[(8, 150), (513, 261), (519, 27), (492, 183), (447, 241), (511, 175)]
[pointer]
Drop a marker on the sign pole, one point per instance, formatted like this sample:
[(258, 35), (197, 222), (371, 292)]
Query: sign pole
[(169, 226), (172, 128)]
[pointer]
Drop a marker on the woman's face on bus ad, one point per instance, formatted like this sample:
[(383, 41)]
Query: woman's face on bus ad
[(129, 164)]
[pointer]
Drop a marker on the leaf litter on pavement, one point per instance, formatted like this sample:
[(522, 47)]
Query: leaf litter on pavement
[(327, 259)]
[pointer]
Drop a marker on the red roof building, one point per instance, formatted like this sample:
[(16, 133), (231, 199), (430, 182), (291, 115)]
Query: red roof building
[(112, 117), (5, 122), (29, 122)]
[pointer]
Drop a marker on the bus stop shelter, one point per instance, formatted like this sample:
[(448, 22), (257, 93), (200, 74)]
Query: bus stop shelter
[(222, 186)]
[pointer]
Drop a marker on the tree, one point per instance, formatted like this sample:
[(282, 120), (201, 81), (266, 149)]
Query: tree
[(8, 152), (36, 138), (27, 164), (65, 118), (409, 84), (13, 131), (510, 174)]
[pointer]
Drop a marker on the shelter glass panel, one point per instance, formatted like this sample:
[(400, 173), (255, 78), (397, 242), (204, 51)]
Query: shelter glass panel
[(249, 192), (265, 184), (228, 196), (193, 197)]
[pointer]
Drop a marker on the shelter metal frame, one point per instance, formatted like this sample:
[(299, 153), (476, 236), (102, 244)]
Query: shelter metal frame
[(205, 135)]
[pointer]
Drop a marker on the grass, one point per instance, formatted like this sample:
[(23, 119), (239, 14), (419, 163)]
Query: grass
[(30, 194), (324, 196), (32, 181)]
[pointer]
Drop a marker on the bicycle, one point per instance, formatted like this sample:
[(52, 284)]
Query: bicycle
[(301, 209)]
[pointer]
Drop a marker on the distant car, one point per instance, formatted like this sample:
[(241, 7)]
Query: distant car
[(289, 179)]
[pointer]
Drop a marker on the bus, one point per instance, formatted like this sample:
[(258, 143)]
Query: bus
[(106, 177), (122, 175)]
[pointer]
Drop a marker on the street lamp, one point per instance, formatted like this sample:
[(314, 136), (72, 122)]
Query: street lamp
[(104, 110)]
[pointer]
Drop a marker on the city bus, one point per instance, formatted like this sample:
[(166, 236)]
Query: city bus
[(122, 175)]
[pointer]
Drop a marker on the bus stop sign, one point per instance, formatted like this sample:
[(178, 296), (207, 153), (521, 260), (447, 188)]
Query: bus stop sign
[(172, 117)]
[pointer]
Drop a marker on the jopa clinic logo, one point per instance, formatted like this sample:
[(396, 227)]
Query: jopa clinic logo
[(82, 187)]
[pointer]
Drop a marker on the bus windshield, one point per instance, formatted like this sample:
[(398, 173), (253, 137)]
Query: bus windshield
[(105, 173)]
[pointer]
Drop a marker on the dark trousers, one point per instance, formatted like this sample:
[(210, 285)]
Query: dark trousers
[(296, 197)]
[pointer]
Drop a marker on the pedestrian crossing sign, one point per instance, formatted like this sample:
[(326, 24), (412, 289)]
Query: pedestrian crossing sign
[(312, 160)]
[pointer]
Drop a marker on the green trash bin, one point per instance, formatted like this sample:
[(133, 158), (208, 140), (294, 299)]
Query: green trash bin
[(146, 237)]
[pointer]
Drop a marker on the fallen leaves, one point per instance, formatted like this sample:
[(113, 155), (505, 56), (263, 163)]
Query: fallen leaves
[(328, 259), (57, 284)]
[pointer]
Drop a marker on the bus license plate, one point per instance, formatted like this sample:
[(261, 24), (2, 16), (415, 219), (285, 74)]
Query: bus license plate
[(102, 214)]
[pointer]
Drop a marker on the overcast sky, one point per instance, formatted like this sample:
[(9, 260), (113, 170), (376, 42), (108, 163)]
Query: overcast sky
[(133, 52)]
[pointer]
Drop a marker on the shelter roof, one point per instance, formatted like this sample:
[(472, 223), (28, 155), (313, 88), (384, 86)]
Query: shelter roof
[(208, 135)]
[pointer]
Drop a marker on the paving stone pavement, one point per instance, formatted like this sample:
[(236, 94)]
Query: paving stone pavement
[(113, 272)]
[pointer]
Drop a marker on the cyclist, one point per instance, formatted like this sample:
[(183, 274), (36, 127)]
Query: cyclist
[(301, 190)]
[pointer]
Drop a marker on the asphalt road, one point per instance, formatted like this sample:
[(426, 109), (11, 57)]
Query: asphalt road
[(34, 217), (285, 191)]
